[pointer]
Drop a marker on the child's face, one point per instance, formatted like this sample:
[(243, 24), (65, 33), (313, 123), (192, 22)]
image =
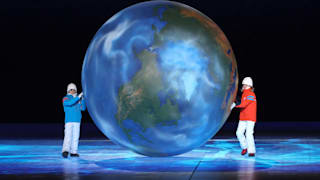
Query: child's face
[(72, 91), (244, 86)]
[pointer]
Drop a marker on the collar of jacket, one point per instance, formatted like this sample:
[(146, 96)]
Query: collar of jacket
[(247, 90), (75, 95)]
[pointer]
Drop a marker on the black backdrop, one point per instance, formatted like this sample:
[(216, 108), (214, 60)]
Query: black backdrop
[(43, 44)]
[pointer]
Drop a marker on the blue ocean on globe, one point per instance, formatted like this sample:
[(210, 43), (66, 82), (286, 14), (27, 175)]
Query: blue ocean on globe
[(159, 78)]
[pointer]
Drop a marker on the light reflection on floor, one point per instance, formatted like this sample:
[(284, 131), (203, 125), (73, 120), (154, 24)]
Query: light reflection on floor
[(104, 157)]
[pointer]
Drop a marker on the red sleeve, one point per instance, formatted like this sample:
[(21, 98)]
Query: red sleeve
[(244, 103), (246, 100)]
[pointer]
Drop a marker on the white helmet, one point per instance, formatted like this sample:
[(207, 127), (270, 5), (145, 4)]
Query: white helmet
[(248, 81), (71, 86)]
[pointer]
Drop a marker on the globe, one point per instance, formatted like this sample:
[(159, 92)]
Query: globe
[(159, 78)]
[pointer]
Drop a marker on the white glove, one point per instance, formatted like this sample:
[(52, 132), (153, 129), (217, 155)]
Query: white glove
[(232, 106), (80, 95)]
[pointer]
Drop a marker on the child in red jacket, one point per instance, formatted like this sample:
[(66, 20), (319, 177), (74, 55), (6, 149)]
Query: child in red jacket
[(248, 117)]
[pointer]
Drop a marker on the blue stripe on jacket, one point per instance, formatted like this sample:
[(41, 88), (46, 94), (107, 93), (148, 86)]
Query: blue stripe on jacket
[(251, 98)]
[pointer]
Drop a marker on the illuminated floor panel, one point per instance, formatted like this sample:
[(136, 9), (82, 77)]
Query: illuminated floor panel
[(218, 159)]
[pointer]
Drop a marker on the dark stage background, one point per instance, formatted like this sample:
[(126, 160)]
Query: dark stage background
[(43, 44)]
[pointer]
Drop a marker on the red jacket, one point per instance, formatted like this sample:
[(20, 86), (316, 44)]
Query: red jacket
[(248, 106)]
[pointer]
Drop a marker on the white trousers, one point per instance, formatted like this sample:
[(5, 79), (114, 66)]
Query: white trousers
[(246, 142), (71, 137)]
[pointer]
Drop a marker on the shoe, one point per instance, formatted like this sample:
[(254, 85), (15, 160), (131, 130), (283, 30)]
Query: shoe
[(74, 155), (251, 154), (65, 154), (244, 151)]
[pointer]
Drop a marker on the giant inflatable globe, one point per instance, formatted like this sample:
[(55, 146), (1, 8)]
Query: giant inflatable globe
[(159, 78)]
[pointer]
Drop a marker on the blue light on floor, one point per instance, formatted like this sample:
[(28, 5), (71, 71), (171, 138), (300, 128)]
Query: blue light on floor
[(44, 156)]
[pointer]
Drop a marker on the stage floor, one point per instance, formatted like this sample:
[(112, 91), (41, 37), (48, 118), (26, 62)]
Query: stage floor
[(217, 159)]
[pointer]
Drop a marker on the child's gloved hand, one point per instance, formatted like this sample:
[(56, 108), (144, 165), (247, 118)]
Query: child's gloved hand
[(80, 95), (232, 105)]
